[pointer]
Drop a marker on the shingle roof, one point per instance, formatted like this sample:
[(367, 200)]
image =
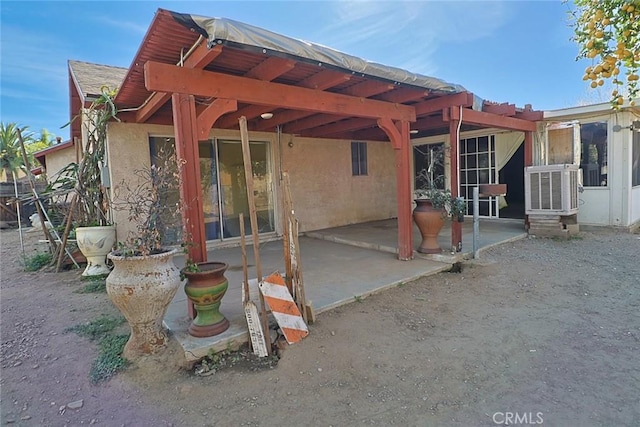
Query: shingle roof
[(91, 77)]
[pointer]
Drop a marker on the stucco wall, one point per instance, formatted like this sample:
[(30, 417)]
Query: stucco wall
[(324, 191), (59, 159), (325, 194), (128, 150)]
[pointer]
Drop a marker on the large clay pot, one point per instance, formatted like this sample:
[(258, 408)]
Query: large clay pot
[(430, 221), (95, 243), (142, 287), (205, 289)]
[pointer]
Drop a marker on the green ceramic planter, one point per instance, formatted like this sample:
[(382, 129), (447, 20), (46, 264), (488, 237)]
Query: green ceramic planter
[(205, 289)]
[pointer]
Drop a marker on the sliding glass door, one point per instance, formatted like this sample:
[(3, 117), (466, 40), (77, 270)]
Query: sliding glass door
[(224, 190), (233, 188)]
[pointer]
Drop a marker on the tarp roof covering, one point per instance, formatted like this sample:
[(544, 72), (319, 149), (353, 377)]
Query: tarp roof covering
[(241, 35)]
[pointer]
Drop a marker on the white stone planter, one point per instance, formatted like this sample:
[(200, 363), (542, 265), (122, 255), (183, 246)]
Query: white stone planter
[(95, 243), (142, 287)]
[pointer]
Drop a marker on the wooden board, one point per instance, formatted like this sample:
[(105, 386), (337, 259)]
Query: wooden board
[(255, 330)]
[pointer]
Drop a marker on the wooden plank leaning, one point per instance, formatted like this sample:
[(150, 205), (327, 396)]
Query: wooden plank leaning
[(248, 172), (256, 335)]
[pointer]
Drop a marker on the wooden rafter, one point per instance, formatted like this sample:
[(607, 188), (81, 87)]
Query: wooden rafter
[(323, 80), (267, 70), (360, 90), (169, 78), (347, 125), (438, 104), (500, 109), (271, 68), (368, 88), (403, 94), (312, 121), (481, 118), (199, 58)]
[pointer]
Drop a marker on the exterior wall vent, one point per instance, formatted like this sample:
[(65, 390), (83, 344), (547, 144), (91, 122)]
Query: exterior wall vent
[(551, 189)]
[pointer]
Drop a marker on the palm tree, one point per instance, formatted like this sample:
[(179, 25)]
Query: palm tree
[(10, 153)]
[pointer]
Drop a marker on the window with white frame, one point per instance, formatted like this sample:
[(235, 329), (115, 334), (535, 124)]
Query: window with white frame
[(478, 166), (593, 157)]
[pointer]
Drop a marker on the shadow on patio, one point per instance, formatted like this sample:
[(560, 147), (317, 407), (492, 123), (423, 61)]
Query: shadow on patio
[(339, 265)]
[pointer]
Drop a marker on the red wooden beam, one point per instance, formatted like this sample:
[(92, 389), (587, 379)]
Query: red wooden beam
[(199, 58), (491, 120), (437, 104), (169, 78)]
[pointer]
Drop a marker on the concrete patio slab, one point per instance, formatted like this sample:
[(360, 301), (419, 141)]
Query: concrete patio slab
[(340, 265)]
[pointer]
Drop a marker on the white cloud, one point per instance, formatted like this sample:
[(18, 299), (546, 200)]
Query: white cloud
[(410, 32), (133, 27), (31, 57)]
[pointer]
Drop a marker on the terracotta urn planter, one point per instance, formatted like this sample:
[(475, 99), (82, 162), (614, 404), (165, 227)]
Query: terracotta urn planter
[(205, 289), (430, 221), (142, 287), (95, 243)]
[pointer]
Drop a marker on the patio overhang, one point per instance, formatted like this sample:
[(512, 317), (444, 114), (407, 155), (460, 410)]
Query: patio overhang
[(197, 73)]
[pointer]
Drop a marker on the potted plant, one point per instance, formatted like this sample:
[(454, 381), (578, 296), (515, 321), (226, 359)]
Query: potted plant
[(145, 278), (434, 204), (94, 231)]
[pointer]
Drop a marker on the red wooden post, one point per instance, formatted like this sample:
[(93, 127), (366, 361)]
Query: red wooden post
[(528, 149), (456, 227), (185, 129), (186, 132), (528, 161), (398, 134), (403, 183)]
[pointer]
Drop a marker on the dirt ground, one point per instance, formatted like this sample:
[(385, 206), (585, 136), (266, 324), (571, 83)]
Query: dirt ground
[(538, 331)]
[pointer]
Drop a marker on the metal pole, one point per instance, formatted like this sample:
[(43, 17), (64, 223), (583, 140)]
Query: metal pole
[(17, 205), (476, 222)]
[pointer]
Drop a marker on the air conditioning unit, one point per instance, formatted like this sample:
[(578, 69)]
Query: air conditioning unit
[(551, 189)]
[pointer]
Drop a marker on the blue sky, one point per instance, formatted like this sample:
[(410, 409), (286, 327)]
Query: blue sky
[(505, 51)]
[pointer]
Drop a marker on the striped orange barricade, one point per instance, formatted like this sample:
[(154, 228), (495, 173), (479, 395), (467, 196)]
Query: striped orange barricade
[(284, 309)]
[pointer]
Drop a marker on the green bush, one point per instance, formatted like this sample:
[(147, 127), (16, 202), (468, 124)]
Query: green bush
[(37, 261)]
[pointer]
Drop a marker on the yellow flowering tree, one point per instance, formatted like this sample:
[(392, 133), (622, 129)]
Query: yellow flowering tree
[(608, 33)]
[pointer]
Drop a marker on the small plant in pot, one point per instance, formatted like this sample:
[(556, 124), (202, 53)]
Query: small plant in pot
[(145, 278), (434, 204)]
